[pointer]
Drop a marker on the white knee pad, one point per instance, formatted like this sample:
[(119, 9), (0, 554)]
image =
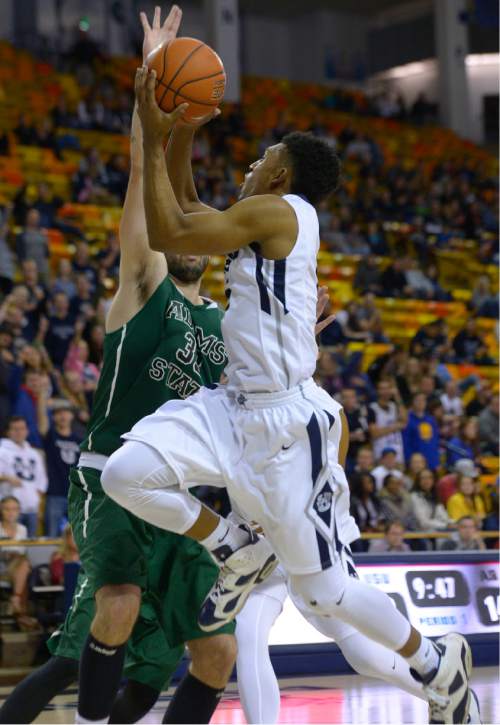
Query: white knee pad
[(320, 593), (135, 465), (138, 478)]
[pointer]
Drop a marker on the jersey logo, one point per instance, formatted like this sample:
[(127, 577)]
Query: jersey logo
[(323, 502), (178, 311)]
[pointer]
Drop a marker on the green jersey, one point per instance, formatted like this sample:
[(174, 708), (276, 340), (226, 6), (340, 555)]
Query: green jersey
[(168, 350)]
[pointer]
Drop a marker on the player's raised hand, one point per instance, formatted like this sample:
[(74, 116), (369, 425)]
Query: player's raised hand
[(323, 300), (157, 35), (155, 123)]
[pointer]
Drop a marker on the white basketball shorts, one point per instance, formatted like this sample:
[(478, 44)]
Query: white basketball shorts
[(276, 453)]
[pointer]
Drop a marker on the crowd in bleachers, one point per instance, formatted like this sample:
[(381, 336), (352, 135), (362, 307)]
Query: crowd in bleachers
[(409, 253)]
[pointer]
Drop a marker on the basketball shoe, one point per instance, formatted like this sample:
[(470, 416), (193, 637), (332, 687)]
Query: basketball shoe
[(242, 569), (447, 687)]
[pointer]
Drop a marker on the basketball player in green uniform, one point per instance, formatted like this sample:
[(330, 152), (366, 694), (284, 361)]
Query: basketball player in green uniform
[(163, 341)]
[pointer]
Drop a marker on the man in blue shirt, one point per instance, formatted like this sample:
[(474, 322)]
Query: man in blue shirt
[(61, 447), (421, 434)]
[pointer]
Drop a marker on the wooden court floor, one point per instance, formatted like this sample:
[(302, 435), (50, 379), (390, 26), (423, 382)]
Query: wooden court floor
[(339, 699)]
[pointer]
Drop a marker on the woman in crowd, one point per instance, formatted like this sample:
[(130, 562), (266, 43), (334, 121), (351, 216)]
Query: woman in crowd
[(430, 514), (466, 502), (365, 506), (14, 564), (465, 444), (416, 464)]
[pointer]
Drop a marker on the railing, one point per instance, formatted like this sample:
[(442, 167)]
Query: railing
[(366, 536)]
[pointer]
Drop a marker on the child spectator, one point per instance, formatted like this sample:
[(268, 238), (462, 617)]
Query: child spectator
[(14, 564), (393, 540)]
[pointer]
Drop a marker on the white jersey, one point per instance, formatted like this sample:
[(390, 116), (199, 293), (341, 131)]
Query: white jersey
[(268, 328), (25, 463)]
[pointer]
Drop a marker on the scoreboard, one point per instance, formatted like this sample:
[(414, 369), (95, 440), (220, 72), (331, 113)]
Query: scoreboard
[(438, 593)]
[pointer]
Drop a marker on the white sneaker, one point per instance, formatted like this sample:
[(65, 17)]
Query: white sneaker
[(242, 571), (447, 688), (474, 711)]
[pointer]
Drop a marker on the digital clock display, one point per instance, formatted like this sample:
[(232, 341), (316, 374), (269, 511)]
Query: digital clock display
[(435, 597), (438, 589), (488, 605)]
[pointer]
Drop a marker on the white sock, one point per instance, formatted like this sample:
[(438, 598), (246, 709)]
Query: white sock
[(425, 659), (225, 538), (80, 719)]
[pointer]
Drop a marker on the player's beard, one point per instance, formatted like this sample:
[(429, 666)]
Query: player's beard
[(185, 271)]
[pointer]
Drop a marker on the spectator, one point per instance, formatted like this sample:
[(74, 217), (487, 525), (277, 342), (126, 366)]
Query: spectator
[(409, 378), (82, 304), (77, 360), (388, 465), (62, 447), (386, 419), (465, 444), (109, 258), (467, 343), (484, 302), (481, 399), (364, 461), (82, 264), (328, 373), (23, 462), (64, 281), (25, 404), (14, 564), (419, 285), (368, 276), (71, 386), (416, 464), (430, 341), (61, 329), (466, 502), (33, 244), (450, 399), (430, 514), (421, 434), (393, 540), (67, 553), (393, 279), (465, 538), (396, 502), (365, 506), (488, 427), (357, 419), (447, 485)]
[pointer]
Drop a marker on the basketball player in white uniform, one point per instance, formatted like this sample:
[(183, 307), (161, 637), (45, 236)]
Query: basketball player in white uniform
[(267, 434)]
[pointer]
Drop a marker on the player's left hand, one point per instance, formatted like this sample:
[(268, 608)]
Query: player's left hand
[(322, 302), (155, 123), (158, 35)]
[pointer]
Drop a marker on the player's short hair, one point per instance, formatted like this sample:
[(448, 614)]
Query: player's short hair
[(315, 166)]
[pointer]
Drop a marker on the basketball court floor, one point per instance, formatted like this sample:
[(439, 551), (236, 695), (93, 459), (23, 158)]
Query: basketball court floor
[(339, 699)]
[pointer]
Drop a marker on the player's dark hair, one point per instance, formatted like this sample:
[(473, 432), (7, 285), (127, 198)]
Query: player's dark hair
[(315, 166)]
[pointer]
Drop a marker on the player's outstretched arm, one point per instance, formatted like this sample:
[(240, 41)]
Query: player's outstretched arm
[(179, 169), (267, 219), (141, 268)]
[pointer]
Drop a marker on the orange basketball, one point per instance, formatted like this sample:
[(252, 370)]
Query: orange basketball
[(188, 71)]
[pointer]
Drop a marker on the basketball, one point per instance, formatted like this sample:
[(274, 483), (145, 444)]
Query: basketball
[(188, 71)]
